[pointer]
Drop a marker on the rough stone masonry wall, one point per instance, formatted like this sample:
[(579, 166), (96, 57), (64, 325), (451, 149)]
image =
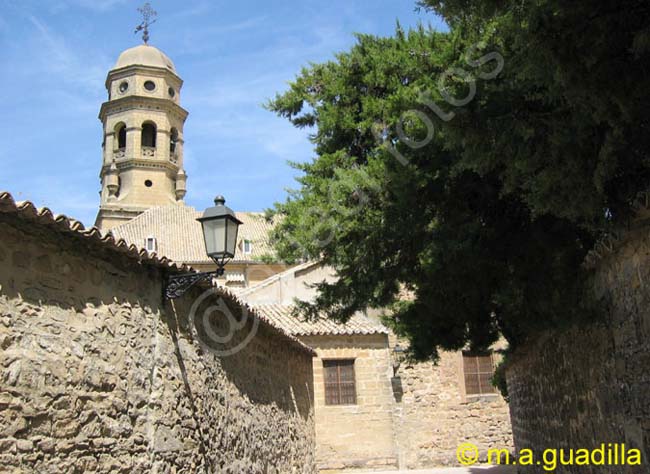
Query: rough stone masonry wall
[(591, 384), (434, 416), (97, 376)]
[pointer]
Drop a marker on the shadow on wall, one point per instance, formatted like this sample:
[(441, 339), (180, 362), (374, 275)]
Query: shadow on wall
[(398, 389), (62, 271), (239, 342), (93, 353)]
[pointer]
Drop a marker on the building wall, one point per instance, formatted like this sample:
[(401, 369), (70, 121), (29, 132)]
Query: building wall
[(589, 385), (284, 288), (98, 375), (434, 416), (361, 435)]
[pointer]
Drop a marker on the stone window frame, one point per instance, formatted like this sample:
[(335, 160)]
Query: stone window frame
[(466, 397), (328, 387)]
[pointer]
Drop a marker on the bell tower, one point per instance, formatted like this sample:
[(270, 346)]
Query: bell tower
[(142, 165)]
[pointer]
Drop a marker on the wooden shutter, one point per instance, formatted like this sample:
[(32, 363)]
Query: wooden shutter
[(339, 382), (478, 370)]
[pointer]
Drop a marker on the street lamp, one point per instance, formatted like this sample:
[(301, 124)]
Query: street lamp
[(219, 232), (220, 226)]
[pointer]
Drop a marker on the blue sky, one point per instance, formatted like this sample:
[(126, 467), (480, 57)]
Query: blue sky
[(233, 56)]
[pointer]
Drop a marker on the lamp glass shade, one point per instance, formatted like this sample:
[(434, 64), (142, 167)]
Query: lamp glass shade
[(220, 226), (214, 233), (232, 226)]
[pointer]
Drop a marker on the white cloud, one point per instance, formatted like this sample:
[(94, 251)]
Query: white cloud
[(50, 52)]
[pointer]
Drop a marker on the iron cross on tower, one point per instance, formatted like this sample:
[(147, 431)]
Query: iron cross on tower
[(148, 19)]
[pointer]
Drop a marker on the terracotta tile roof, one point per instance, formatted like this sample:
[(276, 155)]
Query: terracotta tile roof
[(25, 210), (179, 235), (280, 315)]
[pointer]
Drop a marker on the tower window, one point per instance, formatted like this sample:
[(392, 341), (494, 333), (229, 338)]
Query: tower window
[(151, 244), (148, 183), (171, 92), (121, 136), (149, 135), (124, 86), (150, 85)]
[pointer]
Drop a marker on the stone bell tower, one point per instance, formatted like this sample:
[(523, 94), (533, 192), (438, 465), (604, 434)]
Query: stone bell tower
[(142, 164)]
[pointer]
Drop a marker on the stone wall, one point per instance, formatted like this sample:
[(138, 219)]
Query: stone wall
[(360, 435), (434, 416), (98, 375), (414, 418), (590, 384)]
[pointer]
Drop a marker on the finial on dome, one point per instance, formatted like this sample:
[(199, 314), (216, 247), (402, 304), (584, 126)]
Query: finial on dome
[(148, 19)]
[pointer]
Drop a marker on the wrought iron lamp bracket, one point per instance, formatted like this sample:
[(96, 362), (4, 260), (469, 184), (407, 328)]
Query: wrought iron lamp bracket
[(177, 285)]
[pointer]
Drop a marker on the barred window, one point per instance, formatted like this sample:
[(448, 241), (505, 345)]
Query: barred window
[(339, 382), (478, 370)]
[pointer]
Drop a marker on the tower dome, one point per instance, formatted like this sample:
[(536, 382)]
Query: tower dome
[(144, 55)]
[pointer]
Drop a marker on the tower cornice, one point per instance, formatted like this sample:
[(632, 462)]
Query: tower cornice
[(140, 163), (141, 102)]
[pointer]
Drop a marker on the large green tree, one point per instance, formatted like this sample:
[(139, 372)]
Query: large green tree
[(470, 170)]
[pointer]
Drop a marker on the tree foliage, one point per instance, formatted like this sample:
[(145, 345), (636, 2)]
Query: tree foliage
[(472, 169)]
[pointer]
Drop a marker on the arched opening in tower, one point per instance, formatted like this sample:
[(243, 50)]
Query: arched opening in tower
[(149, 135), (121, 137), (173, 140)]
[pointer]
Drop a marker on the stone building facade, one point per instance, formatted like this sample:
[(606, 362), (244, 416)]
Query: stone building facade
[(434, 414), (589, 385), (404, 415), (358, 435), (99, 375)]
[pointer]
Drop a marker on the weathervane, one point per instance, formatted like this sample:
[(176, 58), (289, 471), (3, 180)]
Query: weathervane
[(148, 19)]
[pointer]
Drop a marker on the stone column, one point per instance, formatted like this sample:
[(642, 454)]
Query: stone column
[(133, 142), (162, 145), (109, 143), (179, 151)]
